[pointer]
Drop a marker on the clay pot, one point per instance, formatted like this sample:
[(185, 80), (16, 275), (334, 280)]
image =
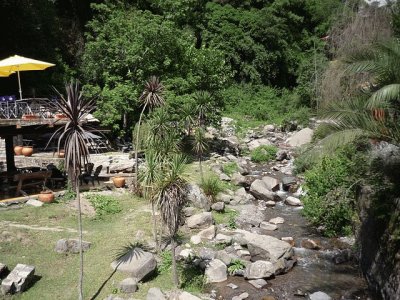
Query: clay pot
[(118, 181), (27, 150), (46, 196), (60, 116), (61, 154), (30, 117), (18, 150)]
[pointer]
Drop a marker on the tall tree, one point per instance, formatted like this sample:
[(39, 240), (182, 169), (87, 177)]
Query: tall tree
[(199, 146)]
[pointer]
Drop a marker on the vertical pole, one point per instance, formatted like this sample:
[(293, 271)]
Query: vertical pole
[(19, 85), (10, 154)]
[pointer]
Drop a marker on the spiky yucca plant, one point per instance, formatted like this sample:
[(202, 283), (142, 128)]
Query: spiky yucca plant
[(200, 146), (152, 96), (74, 137)]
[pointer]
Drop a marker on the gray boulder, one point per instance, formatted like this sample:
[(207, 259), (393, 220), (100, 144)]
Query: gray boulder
[(223, 239), (221, 197), (301, 137), (271, 183), (208, 233), (188, 211), (268, 226), (197, 198), (260, 190), (216, 271), (250, 216), (138, 266), (18, 280), (218, 206), (258, 283), (242, 197), (259, 269), (71, 245), (259, 142), (226, 257), (34, 203), (128, 285), (238, 179), (155, 294), (206, 253), (293, 201), (201, 220), (319, 296), (187, 296)]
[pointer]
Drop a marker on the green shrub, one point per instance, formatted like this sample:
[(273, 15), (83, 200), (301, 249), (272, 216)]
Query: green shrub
[(263, 153), (230, 168), (104, 204), (212, 185), (191, 278), (166, 262), (330, 186), (235, 265)]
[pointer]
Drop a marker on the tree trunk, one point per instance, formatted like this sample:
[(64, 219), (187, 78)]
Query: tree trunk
[(80, 286), (201, 168), (137, 146), (153, 212), (174, 270)]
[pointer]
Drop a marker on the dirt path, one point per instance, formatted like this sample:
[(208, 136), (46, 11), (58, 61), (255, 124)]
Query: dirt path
[(4, 224)]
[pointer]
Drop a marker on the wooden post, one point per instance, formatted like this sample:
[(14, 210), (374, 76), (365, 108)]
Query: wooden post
[(10, 154)]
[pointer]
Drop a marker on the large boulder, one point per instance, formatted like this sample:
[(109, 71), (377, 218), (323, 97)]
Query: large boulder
[(207, 234), (242, 197), (293, 201), (271, 183), (259, 269), (260, 190), (238, 179), (218, 206), (155, 294), (197, 198), (249, 216), (265, 247), (319, 296), (216, 271), (259, 142), (128, 285), (71, 245), (138, 266), (187, 296), (201, 220), (18, 280), (301, 137)]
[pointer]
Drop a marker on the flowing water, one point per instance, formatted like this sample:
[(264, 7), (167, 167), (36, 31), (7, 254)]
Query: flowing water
[(316, 270)]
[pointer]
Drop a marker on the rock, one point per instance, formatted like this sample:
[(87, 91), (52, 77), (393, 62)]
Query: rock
[(260, 190), (218, 206), (207, 234), (259, 269), (271, 183), (224, 198), (244, 254), (277, 220), (258, 283), (224, 177), (281, 155), (206, 253), (293, 201), (288, 239), (138, 266), (239, 179), (188, 211), (155, 293), (288, 181), (309, 244), (319, 296), (232, 286), (186, 253), (187, 296), (225, 257), (250, 216), (197, 198), (216, 271), (201, 220), (71, 245), (242, 197), (269, 128), (18, 280), (195, 239), (128, 285), (256, 143), (268, 226), (34, 202), (301, 137), (265, 247), (270, 203), (223, 239), (242, 296)]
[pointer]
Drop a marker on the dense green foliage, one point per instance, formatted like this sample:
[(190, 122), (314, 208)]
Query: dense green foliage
[(104, 204), (263, 153), (230, 168), (330, 186), (212, 185)]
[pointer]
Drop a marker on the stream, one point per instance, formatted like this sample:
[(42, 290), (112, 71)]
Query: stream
[(330, 269)]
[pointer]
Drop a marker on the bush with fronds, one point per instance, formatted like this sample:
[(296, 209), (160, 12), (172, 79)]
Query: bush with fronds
[(212, 185)]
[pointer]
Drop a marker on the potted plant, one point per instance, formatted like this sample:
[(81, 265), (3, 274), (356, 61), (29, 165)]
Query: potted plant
[(118, 181), (46, 196)]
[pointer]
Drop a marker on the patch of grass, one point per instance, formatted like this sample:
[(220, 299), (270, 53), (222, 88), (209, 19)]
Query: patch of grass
[(227, 217), (264, 153), (230, 168), (212, 185), (236, 265), (104, 204), (165, 265), (191, 278)]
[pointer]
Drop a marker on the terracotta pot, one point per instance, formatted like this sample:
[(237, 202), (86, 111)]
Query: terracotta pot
[(27, 150), (118, 181), (60, 116), (46, 196), (30, 117), (18, 150), (61, 154)]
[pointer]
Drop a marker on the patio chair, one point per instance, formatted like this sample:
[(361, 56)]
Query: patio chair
[(87, 172), (94, 177)]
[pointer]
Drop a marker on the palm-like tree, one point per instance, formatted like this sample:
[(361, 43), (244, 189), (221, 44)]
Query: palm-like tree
[(199, 146), (172, 196), (187, 112), (74, 138), (203, 106), (152, 96)]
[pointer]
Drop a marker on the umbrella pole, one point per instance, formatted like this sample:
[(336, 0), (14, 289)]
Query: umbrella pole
[(19, 85)]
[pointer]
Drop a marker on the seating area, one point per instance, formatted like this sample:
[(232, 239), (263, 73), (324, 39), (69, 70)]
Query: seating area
[(29, 108)]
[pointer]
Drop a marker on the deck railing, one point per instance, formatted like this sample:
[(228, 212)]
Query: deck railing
[(29, 108)]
